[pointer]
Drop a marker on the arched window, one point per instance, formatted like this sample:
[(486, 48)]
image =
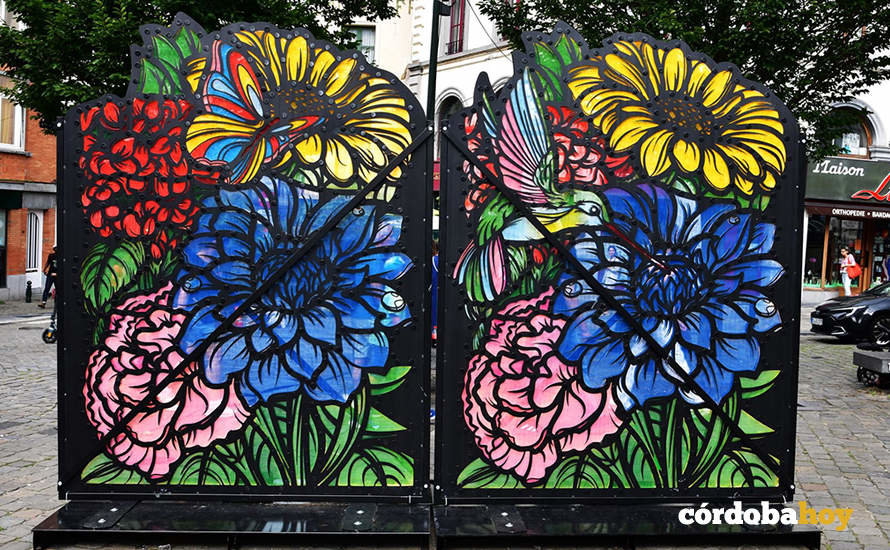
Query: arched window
[(447, 108), (857, 137)]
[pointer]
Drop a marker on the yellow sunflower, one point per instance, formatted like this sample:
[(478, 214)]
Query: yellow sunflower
[(680, 113), (285, 97)]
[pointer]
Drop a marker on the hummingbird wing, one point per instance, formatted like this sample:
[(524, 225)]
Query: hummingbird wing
[(523, 146)]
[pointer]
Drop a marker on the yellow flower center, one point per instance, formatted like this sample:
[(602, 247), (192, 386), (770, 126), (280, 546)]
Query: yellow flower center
[(304, 100), (681, 115)]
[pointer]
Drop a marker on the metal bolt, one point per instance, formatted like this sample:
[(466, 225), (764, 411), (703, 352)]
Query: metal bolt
[(356, 523), (508, 524), (101, 520)]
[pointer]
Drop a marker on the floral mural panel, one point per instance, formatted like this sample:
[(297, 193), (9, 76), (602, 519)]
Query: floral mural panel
[(245, 252), (621, 235)]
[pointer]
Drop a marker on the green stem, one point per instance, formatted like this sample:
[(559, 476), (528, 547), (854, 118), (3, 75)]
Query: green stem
[(349, 428), (671, 447), (639, 426), (266, 427)]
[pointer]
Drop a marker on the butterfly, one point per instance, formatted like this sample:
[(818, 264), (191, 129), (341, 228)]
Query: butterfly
[(237, 128)]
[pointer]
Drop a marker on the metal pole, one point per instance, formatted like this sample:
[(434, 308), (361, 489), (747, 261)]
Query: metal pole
[(439, 9)]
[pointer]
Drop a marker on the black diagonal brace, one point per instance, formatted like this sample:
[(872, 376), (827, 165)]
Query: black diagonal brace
[(285, 267), (687, 381)]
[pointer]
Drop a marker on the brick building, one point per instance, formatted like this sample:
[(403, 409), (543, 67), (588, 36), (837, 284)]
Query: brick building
[(27, 200)]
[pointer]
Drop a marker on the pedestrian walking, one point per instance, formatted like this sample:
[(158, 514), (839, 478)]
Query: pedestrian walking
[(849, 270), (50, 270)]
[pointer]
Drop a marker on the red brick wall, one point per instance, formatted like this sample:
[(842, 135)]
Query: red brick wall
[(40, 166), (16, 242)]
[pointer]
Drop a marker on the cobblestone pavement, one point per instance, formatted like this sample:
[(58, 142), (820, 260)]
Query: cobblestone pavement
[(843, 447)]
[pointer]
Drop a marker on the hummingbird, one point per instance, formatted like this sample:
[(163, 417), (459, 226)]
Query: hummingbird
[(525, 157)]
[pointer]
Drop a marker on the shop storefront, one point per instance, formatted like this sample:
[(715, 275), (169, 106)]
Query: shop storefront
[(847, 206)]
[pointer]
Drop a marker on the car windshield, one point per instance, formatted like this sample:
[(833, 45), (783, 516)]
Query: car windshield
[(880, 290)]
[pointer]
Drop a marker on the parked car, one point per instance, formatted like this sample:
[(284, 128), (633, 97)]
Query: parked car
[(862, 317)]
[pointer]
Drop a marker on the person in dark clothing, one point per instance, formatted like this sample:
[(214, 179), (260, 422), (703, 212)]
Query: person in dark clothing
[(50, 270)]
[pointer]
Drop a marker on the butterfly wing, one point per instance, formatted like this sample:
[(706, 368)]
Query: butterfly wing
[(234, 129)]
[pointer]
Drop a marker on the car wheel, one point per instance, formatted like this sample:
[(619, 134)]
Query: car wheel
[(880, 330)]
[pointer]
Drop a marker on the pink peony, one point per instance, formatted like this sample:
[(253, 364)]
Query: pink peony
[(524, 405), (138, 354)]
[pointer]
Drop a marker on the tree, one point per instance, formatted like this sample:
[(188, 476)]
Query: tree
[(813, 54), (74, 50)]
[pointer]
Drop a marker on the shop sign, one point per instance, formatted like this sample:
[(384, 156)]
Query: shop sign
[(851, 211), (848, 179)]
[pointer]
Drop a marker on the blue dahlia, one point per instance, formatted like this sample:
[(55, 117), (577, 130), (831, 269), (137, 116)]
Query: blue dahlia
[(695, 277), (321, 324)]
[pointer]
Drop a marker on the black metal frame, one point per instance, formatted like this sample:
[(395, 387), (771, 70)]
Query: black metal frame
[(780, 352), (77, 442)]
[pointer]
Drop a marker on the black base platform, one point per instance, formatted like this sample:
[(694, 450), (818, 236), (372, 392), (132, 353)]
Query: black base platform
[(494, 526), (233, 524), (394, 525)]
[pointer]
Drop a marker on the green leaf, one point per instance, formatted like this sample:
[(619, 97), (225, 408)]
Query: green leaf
[(347, 427), (160, 69), (711, 434), (377, 467), (381, 384), (108, 269), (741, 468), (204, 468), (481, 475), (752, 426), (380, 423), (752, 387), (578, 472), (552, 60), (103, 470)]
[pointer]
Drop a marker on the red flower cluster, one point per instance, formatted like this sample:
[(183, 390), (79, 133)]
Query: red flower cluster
[(580, 155), (138, 173), (479, 190)]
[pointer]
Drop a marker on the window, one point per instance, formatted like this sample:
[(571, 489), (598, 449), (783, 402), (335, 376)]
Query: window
[(449, 106), (7, 17), (455, 42), (856, 139), (34, 241), (366, 38), (12, 119)]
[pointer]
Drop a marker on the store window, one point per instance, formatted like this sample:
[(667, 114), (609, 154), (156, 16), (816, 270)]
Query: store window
[(367, 39), (812, 271), (12, 119), (880, 254), (842, 234)]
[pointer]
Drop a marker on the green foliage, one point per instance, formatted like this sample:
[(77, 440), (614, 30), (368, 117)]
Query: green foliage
[(553, 58), (108, 269), (579, 472), (480, 475), (753, 387), (162, 72), (381, 384), (104, 470), (74, 51), (811, 54), (377, 467)]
